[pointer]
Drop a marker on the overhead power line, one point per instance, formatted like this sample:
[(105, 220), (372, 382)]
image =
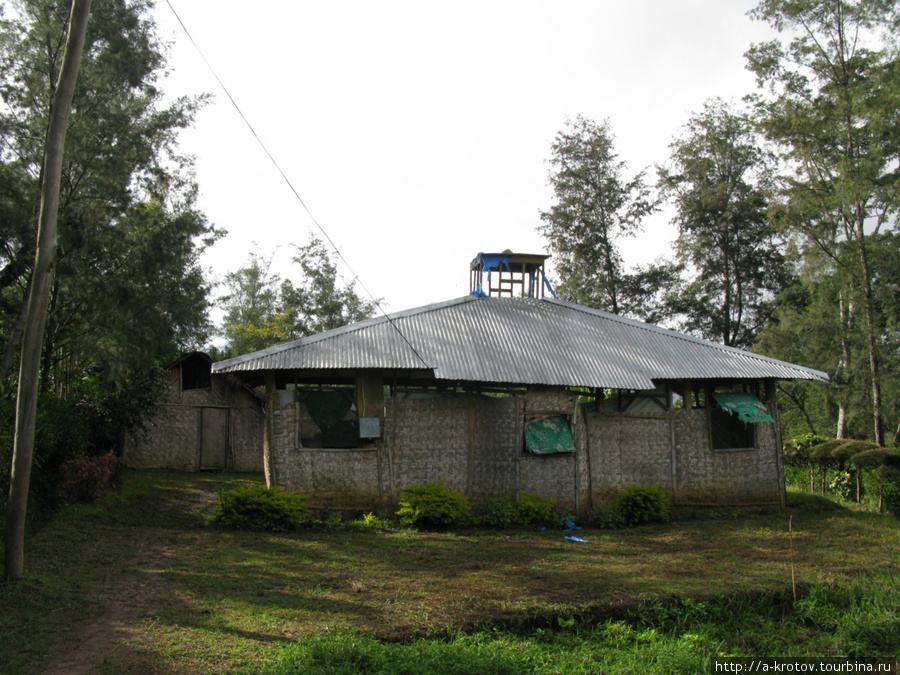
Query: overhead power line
[(355, 276)]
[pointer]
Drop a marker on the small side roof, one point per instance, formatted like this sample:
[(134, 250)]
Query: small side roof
[(189, 355), (519, 341)]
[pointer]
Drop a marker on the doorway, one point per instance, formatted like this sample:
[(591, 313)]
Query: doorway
[(213, 438)]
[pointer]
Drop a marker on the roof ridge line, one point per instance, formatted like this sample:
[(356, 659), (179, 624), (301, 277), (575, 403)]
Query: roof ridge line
[(383, 318), (335, 333)]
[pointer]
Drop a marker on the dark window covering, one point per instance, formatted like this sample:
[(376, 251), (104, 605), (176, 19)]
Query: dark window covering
[(195, 374), (336, 417)]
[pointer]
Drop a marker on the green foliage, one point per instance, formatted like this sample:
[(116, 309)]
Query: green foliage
[(822, 454), (844, 453), (639, 505), (251, 314), (333, 520), (260, 508), (889, 471), (351, 653), (843, 484), (370, 521), (892, 499), (596, 206), (498, 514), (796, 450), (717, 181), (432, 505), (853, 618), (261, 310), (827, 103), (889, 475), (609, 518), (870, 458), (321, 302), (78, 435), (532, 509), (128, 286)]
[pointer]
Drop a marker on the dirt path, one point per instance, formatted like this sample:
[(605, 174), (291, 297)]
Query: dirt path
[(137, 590)]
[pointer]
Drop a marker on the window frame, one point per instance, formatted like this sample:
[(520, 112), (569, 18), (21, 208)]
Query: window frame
[(716, 415), (302, 443), (538, 415)]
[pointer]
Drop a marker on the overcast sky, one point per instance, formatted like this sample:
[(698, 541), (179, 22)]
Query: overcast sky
[(418, 132)]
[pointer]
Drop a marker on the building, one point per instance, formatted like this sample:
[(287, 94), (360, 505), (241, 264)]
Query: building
[(205, 422), (499, 393)]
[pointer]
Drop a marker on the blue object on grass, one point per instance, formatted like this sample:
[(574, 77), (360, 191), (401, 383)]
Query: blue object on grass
[(576, 539)]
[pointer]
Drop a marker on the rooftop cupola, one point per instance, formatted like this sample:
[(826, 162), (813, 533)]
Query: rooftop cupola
[(509, 275)]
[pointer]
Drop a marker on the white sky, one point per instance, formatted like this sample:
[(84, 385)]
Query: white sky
[(418, 132)]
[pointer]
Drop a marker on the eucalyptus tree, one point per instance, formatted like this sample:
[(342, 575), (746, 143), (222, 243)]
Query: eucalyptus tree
[(830, 101), (597, 205), (717, 178)]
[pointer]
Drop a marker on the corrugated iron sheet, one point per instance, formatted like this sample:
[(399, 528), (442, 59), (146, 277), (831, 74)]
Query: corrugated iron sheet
[(519, 341)]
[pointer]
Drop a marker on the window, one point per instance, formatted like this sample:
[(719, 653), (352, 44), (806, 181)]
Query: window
[(195, 373), (331, 419), (729, 432), (651, 401), (733, 418), (548, 434)]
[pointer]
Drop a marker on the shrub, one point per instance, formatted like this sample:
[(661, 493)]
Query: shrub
[(891, 499), (640, 505), (821, 454), (797, 454), (843, 454), (889, 474), (796, 450), (844, 484), (257, 507), (432, 505), (88, 478), (371, 521), (92, 420), (608, 518), (499, 513), (532, 509)]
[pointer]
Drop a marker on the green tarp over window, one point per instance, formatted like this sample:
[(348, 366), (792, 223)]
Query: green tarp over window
[(747, 406), (549, 435)]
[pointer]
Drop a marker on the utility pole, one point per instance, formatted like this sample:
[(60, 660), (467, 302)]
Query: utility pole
[(38, 297)]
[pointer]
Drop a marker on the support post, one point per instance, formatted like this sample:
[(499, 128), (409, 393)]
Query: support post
[(269, 431)]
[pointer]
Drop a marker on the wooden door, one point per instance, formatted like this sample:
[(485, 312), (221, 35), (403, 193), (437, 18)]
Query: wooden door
[(213, 438)]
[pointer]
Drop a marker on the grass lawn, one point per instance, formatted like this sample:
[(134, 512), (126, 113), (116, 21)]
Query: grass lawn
[(140, 582)]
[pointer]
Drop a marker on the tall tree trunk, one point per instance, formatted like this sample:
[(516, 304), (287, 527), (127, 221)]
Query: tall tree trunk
[(871, 342), (840, 432), (844, 365), (38, 296)]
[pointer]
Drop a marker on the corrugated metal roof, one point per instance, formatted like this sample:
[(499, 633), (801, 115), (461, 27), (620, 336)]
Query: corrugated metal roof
[(519, 341)]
